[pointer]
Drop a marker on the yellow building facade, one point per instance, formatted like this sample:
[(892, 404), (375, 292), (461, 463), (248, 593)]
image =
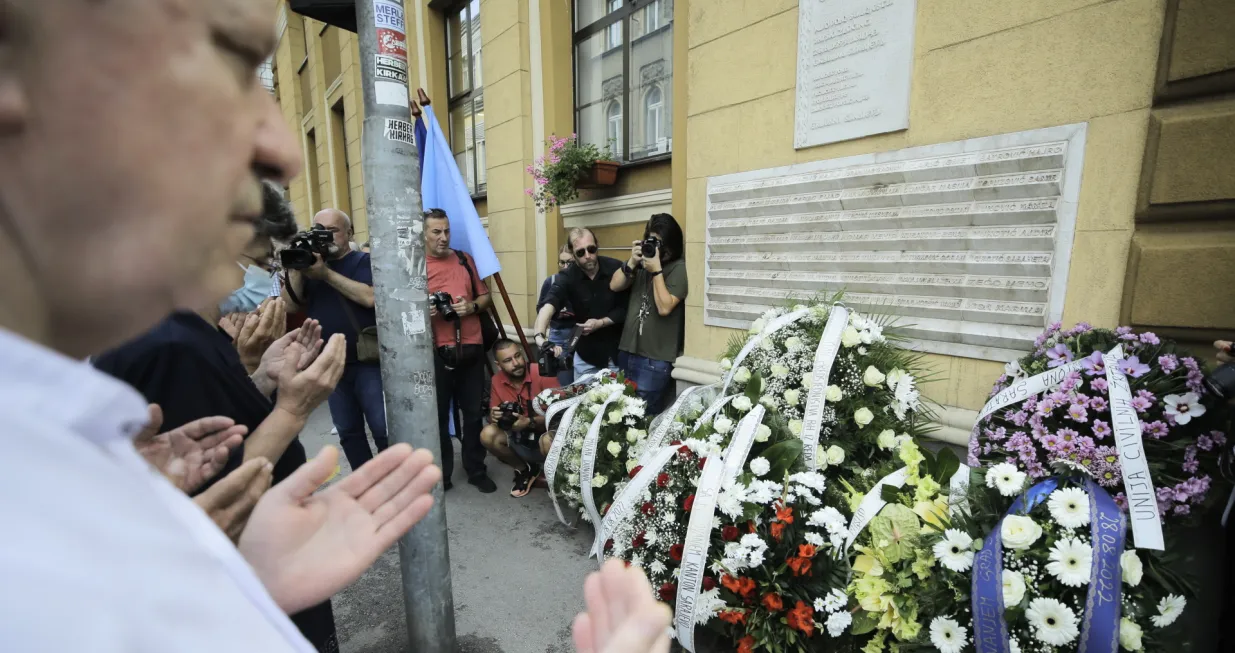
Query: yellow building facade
[(693, 89)]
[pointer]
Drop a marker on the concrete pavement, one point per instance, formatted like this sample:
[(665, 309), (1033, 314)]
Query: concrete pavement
[(517, 573)]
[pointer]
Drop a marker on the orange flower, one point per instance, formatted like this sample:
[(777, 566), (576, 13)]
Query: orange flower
[(800, 566), (751, 526), (806, 550), (802, 617), (746, 644), (778, 530), (746, 587), (732, 584), (735, 617), (772, 602), (785, 514)]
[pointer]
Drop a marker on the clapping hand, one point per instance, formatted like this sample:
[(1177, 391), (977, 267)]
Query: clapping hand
[(622, 616), (309, 339), (192, 454), (302, 391), (305, 546), (260, 330), (1224, 351), (230, 501)]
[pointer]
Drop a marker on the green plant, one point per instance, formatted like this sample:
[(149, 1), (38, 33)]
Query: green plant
[(558, 172)]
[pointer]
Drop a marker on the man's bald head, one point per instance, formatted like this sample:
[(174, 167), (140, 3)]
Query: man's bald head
[(340, 224)]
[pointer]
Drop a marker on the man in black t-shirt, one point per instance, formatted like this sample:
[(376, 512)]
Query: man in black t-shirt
[(338, 293), (598, 309)]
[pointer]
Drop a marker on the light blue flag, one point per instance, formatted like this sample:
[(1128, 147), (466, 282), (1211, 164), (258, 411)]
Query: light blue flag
[(442, 187)]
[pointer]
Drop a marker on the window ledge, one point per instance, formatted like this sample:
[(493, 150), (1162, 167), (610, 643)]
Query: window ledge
[(659, 158), (612, 211)]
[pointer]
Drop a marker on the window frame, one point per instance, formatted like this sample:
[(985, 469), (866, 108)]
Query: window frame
[(458, 101), (581, 34), (659, 122)]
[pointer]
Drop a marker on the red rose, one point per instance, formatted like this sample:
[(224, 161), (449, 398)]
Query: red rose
[(608, 546), (662, 480), (684, 451), (730, 533), (690, 503), (639, 539), (632, 384), (647, 508), (701, 462), (675, 443), (675, 552), (604, 510), (709, 583), (668, 592), (635, 472)]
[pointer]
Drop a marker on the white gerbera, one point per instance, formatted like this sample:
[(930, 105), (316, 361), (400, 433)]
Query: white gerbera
[(1069, 507), (1071, 561), (838, 622), (1130, 564), (1052, 621), (835, 600), (947, 635), (760, 466), (1169, 610), (1184, 408), (1006, 478), (955, 550)]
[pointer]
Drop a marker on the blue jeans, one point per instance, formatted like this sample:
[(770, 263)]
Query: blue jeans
[(561, 338), (584, 368), (651, 377), (358, 399)]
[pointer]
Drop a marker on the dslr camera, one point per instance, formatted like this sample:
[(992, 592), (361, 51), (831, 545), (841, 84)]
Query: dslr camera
[(511, 410), (300, 254), (548, 362), (442, 302), (1221, 381), (649, 246)]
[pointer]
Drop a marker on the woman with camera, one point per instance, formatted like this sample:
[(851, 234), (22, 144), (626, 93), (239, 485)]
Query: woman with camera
[(652, 337)]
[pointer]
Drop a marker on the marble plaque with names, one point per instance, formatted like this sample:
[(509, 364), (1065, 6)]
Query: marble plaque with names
[(967, 243), (854, 63)]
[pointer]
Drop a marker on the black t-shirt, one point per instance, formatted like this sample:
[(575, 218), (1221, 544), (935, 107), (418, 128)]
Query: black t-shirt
[(592, 299), (323, 303), (191, 370)]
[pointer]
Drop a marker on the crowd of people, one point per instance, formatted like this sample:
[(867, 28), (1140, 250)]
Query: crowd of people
[(157, 496)]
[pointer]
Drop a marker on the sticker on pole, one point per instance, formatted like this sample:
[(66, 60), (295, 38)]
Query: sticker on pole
[(399, 130), (388, 14), (390, 62), (391, 43), (390, 69)]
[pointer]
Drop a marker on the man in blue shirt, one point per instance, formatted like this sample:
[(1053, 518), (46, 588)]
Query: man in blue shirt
[(338, 293)]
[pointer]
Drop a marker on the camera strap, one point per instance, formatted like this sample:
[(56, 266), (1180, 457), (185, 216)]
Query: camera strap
[(291, 290)]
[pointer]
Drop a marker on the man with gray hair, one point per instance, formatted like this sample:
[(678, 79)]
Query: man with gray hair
[(337, 291)]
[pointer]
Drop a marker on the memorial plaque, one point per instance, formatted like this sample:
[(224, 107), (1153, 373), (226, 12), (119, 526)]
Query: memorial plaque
[(854, 64), (966, 243)]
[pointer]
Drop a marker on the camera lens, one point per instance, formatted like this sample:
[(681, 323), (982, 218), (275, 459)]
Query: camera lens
[(1222, 381)]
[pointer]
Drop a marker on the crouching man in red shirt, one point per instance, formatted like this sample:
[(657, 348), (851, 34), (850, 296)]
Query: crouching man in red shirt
[(515, 433)]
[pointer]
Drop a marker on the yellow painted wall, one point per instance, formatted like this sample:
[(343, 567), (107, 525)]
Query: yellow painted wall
[(980, 68)]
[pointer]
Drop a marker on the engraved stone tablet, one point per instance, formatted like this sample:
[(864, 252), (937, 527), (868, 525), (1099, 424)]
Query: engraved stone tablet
[(854, 63), (966, 243)]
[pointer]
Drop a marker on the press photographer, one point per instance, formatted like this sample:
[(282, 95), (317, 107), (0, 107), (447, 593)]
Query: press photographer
[(561, 325), (457, 297), (516, 434), (334, 285)]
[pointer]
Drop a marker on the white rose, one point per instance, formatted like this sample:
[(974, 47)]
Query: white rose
[(1013, 588), (808, 380), (779, 371), (614, 448), (762, 433), (741, 404), (863, 416), (792, 396), (850, 337), (726, 364), (635, 435), (1132, 568), (1130, 634), (1019, 532), (795, 427), (821, 458), (836, 455), (757, 326), (599, 481), (894, 376), (768, 401), (631, 464), (834, 394), (722, 425), (793, 342), (873, 377), (887, 439), (742, 375)]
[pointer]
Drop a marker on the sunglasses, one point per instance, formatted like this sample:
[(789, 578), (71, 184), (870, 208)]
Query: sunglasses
[(564, 263), (591, 249)]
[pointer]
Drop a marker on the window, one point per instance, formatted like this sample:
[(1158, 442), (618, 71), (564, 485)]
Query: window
[(467, 105), (624, 59)]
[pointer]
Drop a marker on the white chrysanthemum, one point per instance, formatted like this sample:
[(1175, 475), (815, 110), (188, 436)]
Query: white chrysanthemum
[(722, 425), (599, 480), (1071, 562), (873, 377), (1069, 507), (755, 548), (1006, 478), (657, 567), (729, 501), (613, 448), (763, 492), (955, 550), (708, 604), (1130, 635), (863, 416), (834, 394), (1169, 609), (1013, 588), (741, 404), (1052, 621), (837, 623), (1130, 565), (835, 600), (792, 396), (763, 433), (814, 538), (825, 517), (760, 466), (947, 635)]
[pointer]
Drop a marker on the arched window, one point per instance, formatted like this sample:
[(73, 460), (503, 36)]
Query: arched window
[(613, 116), (653, 116)]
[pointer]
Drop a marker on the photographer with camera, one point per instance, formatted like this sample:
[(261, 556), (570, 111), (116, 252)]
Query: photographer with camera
[(653, 339), (334, 285), (457, 298), (562, 324), (515, 433)]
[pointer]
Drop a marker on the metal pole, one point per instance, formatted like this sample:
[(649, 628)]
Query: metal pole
[(392, 188)]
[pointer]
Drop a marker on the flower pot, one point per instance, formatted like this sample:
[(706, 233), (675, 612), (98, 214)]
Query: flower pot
[(603, 173)]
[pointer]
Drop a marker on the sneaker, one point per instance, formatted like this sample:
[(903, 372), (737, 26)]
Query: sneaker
[(540, 482), (334, 431), (524, 478), (483, 483)]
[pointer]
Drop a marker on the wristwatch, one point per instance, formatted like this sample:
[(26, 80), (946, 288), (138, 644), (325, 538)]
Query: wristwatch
[(656, 273), (627, 270), (537, 337)]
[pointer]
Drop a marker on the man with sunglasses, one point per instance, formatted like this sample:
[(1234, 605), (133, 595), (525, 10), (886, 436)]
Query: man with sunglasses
[(562, 325), (598, 309)]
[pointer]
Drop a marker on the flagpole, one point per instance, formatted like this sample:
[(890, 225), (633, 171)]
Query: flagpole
[(392, 189)]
